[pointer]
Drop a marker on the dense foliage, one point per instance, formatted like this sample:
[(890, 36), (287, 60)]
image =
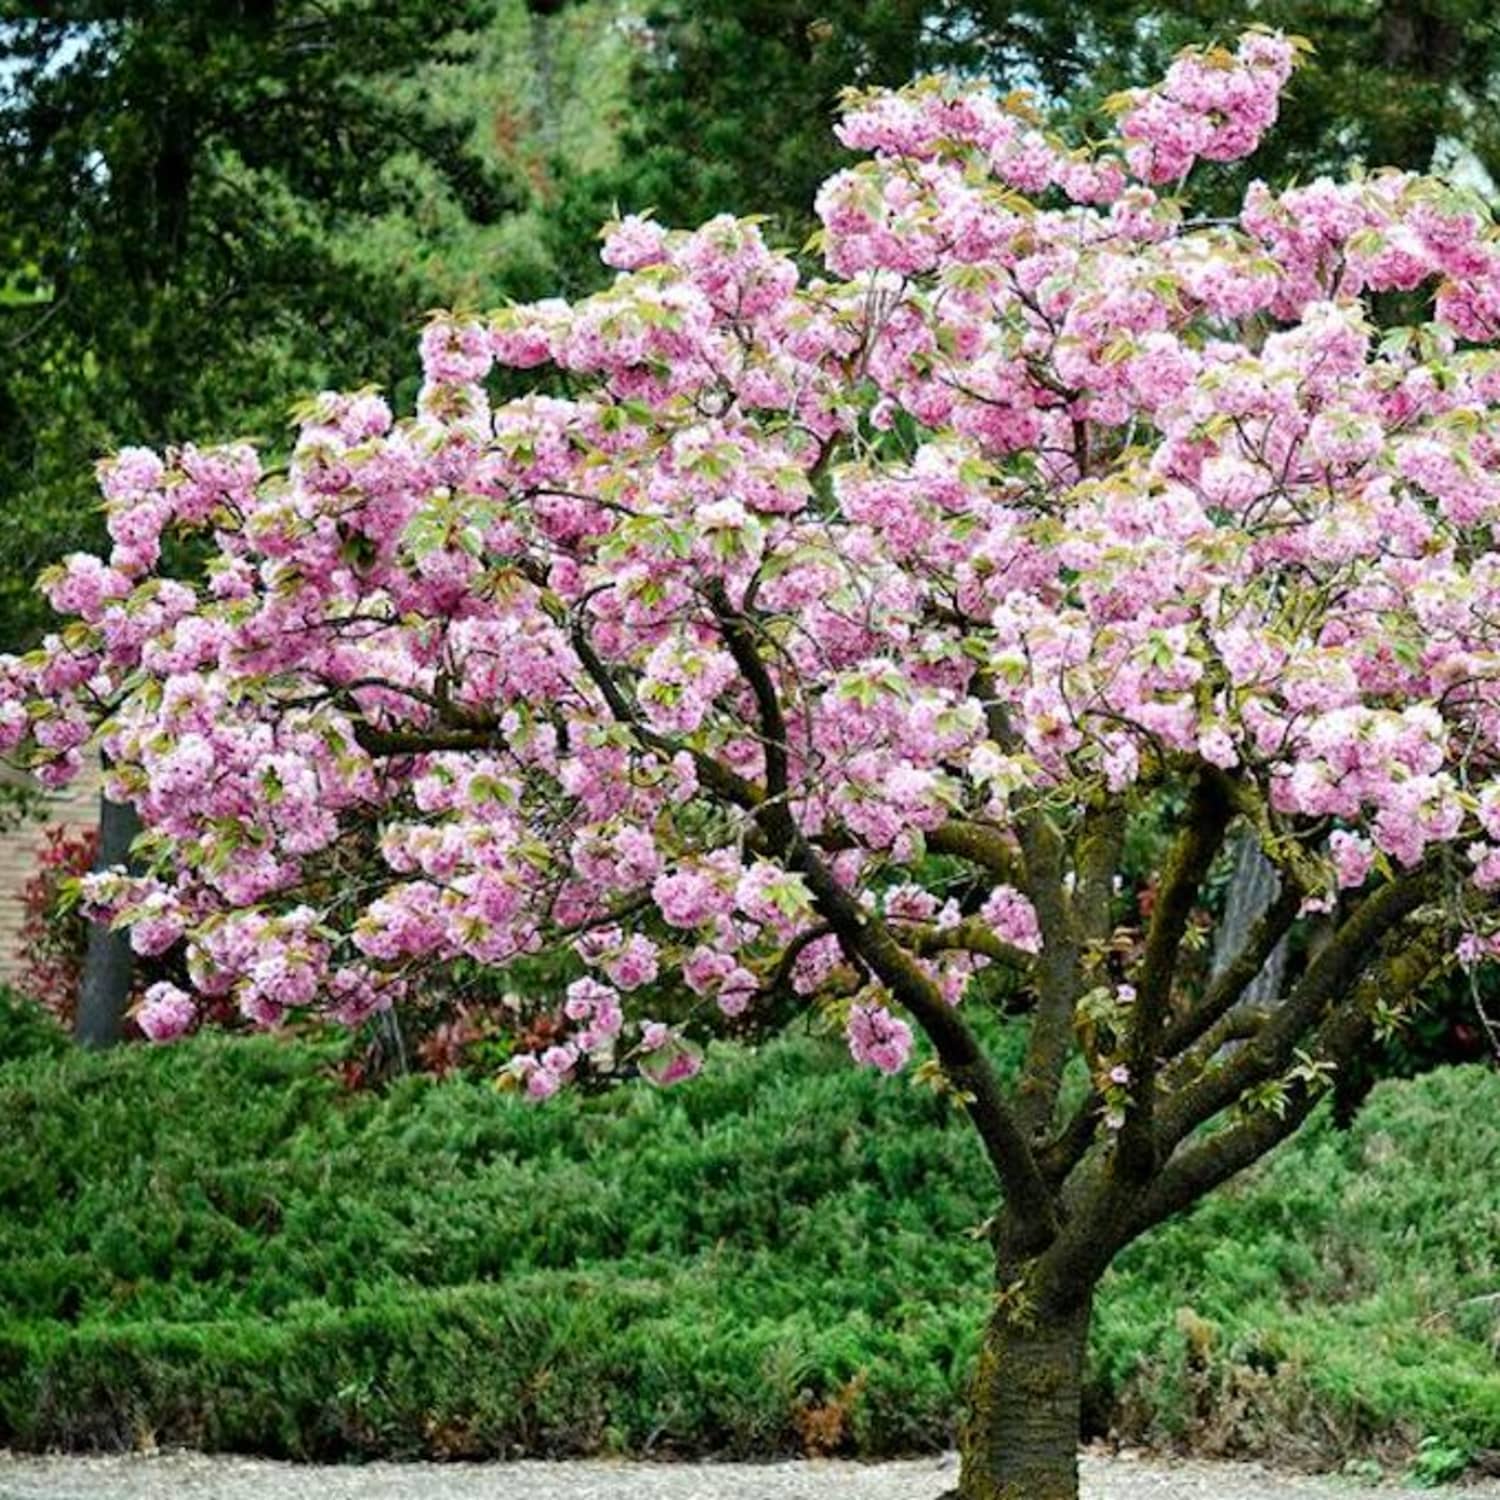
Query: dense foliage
[(779, 1259)]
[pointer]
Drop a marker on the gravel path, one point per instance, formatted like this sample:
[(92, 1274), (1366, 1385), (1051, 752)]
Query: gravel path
[(195, 1477)]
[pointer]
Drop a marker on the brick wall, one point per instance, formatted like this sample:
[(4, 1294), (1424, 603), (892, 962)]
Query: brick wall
[(77, 807)]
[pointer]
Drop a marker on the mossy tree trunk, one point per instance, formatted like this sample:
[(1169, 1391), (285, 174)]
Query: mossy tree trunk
[(1021, 1441)]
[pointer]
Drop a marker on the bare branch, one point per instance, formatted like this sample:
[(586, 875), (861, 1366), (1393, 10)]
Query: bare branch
[(384, 742)]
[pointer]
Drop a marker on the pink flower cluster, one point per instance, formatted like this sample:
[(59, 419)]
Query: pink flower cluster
[(1213, 104), (878, 1038), (166, 1012)]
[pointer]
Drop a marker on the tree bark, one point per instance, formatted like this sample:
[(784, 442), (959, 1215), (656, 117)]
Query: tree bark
[(1253, 886), (105, 989), (1021, 1440)]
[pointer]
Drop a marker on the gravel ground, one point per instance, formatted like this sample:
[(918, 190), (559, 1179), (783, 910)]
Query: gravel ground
[(196, 1477)]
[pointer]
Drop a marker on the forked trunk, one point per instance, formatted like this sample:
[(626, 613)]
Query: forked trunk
[(1021, 1439)]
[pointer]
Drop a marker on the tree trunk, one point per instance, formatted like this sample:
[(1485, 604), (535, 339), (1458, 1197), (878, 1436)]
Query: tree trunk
[(1420, 49), (105, 990), (1021, 1440), (1253, 886)]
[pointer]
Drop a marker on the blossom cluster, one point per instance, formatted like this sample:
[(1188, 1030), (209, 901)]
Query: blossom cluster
[(1213, 105)]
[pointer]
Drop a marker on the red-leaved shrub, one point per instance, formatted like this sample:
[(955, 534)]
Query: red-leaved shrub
[(54, 933)]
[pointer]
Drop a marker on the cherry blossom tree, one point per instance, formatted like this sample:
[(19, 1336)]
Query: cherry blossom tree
[(824, 645)]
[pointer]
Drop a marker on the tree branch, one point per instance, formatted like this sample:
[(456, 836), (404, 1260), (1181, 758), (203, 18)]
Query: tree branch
[(740, 640), (1237, 976), (718, 778), (425, 741), (1208, 816), (972, 935), (1097, 861), (1196, 1172), (867, 939), (1347, 954), (978, 843), (1057, 968)]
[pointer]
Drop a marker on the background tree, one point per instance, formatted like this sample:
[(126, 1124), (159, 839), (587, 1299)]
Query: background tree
[(178, 178)]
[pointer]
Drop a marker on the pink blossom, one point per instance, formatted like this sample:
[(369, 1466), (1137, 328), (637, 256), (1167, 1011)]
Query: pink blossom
[(1353, 858), (878, 1038), (635, 964), (690, 897), (634, 242), (1013, 918), (165, 1012)]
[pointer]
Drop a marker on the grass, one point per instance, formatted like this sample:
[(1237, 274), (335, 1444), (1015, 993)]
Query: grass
[(211, 1244)]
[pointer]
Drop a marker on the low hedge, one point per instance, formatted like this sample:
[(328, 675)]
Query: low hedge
[(213, 1244)]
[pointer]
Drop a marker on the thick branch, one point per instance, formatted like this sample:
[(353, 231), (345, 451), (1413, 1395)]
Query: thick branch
[(1071, 1143), (1198, 1171), (1106, 1210), (1097, 863), (425, 741), (1237, 976), (1208, 815), (972, 935), (978, 843), (1057, 969), (1329, 977), (866, 938), (1057, 973)]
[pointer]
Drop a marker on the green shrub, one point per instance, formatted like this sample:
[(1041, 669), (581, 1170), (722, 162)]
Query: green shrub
[(214, 1244), (28, 1031)]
